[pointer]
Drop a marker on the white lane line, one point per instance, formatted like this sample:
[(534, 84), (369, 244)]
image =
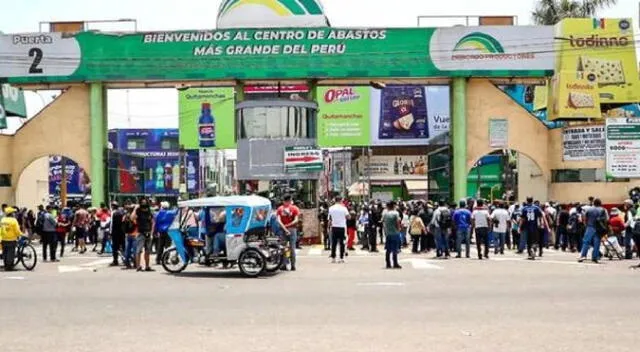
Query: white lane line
[(73, 269), (421, 264), (538, 261), (381, 284), (315, 252), (99, 262), (17, 278)]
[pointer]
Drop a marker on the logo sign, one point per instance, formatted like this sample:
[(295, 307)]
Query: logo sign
[(340, 95), (493, 48), (623, 147), (303, 159)]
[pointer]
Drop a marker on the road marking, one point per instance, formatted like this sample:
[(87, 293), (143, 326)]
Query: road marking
[(13, 277), (381, 284), (99, 262), (538, 261), (421, 264), (315, 252), (73, 269)]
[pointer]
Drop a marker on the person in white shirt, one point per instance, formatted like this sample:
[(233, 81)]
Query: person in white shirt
[(501, 225), (338, 215), (480, 224)]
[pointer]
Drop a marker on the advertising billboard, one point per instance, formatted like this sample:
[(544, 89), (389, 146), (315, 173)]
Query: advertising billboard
[(78, 182), (623, 147), (343, 116), (207, 118), (594, 54), (393, 116)]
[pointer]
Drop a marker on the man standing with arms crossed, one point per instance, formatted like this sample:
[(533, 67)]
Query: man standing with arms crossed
[(288, 217), (338, 215)]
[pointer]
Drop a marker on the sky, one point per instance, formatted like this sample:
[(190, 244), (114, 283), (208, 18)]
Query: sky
[(159, 107)]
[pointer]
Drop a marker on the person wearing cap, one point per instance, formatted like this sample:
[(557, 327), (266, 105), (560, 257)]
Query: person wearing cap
[(9, 234)]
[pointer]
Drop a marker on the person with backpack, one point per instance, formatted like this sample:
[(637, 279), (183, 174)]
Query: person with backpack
[(442, 225), (597, 220), (574, 227), (426, 214)]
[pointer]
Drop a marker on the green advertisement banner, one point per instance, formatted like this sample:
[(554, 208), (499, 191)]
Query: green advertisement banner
[(207, 118), (14, 101), (275, 53), (343, 116)]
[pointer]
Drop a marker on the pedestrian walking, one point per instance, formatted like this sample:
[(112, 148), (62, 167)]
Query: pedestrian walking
[(351, 230), (501, 224), (117, 232), (392, 226), (143, 218), (338, 215), (597, 225), (530, 220), (442, 223), (462, 222), (480, 225)]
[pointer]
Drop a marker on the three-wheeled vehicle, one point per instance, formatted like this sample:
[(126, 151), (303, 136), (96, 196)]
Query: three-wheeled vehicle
[(239, 223)]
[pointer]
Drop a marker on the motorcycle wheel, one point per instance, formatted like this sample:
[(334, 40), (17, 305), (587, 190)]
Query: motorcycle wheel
[(28, 257), (251, 262), (172, 262), (275, 260)]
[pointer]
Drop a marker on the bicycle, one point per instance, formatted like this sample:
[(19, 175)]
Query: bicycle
[(26, 254)]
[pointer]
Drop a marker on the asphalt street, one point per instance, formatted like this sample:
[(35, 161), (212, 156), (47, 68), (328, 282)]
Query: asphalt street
[(504, 304)]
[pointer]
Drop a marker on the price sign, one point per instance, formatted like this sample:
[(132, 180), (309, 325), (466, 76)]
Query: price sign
[(623, 147), (38, 54)]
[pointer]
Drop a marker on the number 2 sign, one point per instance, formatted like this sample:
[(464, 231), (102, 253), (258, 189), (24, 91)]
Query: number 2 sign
[(38, 54)]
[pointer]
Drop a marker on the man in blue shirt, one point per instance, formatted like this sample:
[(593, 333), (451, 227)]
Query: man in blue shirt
[(597, 221), (529, 226), (462, 221)]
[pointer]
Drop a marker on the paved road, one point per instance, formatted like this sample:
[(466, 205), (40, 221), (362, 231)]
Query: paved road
[(506, 304)]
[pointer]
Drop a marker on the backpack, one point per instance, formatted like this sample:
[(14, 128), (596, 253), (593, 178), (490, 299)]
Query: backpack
[(573, 223), (39, 222), (444, 221), (602, 226), (635, 230)]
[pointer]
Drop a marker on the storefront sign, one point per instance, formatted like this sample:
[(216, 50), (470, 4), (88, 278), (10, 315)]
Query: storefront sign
[(583, 143), (574, 95), (343, 116), (498, 133), (623, 147), (303, 159), (490, 48), (207, 118), (274, 53), (393, 165), (602, 51)]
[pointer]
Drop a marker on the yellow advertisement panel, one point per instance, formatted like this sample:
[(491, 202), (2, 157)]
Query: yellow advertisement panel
[(576, 96), (602, 50)]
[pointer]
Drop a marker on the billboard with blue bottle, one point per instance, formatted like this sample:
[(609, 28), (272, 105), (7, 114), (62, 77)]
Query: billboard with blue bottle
[(150, 162), (207, 118), (78, 182)]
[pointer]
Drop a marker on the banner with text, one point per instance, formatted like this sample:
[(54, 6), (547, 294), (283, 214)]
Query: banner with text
[(396, 165), (623, 147), (270, 54), (583, 143), (207, 118)]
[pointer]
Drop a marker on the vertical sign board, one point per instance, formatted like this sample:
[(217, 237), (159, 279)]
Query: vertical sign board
[(498, 133), (623, 147), (303, 158)]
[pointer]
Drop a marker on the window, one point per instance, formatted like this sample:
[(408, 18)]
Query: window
[(136, 143), (276, 122), (582, 175), (169, 144), (5, 180)]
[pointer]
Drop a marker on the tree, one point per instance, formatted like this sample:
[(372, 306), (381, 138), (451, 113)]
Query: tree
[(550, 12)]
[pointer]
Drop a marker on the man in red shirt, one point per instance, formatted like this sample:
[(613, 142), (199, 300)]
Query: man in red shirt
[(288, 216)]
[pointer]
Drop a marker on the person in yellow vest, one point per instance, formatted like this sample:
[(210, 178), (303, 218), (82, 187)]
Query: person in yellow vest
[(9, 234)]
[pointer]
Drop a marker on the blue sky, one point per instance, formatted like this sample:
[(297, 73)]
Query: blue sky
[(161, 105)]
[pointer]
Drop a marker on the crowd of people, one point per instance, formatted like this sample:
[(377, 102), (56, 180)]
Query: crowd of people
[(133, 231), (528, 228)]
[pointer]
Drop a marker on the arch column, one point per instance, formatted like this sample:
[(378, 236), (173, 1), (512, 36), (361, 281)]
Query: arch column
[(98, 126)]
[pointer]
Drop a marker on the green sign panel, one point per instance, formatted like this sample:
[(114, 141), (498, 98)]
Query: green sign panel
[(343, 116), (3, 115), (14, 101), (275, 53), (207, 118)]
